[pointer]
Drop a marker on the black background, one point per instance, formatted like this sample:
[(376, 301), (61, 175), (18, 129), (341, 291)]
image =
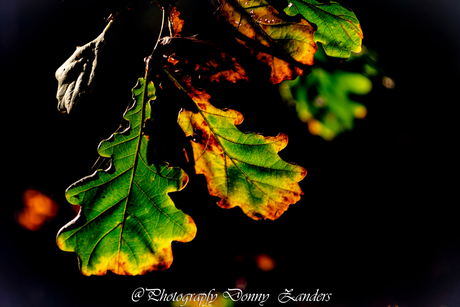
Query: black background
[(377, 224)]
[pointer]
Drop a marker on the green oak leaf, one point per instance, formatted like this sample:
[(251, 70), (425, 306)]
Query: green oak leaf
[(127, 220), (242, 169), (338, 28)]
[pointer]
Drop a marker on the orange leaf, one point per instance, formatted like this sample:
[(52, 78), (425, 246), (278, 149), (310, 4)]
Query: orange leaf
[(176, 22)]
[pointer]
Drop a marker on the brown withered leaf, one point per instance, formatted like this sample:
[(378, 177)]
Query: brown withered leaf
[(285, 45), (203, 59), (176, 23)]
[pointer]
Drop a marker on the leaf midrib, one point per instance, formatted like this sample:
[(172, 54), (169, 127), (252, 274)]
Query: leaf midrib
[(136, 159)]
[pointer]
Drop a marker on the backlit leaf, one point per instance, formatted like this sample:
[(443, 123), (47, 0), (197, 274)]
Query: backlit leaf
[(338, 28), (286, 46), (243, 169), (127, 220)]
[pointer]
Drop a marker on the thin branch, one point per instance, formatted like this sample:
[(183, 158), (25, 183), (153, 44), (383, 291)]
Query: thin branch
[(147, 59), (161, 30)]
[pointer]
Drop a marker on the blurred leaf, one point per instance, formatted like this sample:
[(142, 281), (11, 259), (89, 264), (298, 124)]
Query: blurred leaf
[(285, 45), (265, 262), (76, 76), (338, 28), (322, 98), (242, 169), (127, 220), (38, 209)]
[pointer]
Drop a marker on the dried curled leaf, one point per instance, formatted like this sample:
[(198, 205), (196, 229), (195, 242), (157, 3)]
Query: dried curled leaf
[(127, 220), (243, 169), (76, 76), (204, 59), (338, 28), (286, 46)]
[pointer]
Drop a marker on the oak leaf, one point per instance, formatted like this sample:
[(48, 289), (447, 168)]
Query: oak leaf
[(242, 169), (127, 220), (338, 28), (325, 99)]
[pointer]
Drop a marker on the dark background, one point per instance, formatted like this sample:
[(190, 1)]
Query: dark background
[(376, 225)]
